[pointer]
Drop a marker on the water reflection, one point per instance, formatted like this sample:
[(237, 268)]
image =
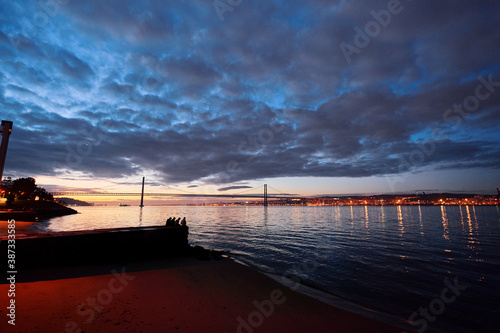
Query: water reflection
[(471, 237), (475, 217), (469, 221), (420, 220), (474, 244), (461, 217), (352, 220), (445, 223), (400, 222), (366, 216), (140, 217)]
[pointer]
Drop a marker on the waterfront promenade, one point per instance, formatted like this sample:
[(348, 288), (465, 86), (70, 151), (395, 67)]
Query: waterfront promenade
[(191, 291), (171, 295)]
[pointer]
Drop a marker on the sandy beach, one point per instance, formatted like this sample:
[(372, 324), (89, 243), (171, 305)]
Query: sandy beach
[(169, 295), (22, 227)]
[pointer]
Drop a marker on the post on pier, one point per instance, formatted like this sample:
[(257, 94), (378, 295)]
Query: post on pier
[(265, 195), (142, 193)]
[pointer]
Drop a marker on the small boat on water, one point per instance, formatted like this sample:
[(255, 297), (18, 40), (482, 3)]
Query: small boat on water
[(124, 205)]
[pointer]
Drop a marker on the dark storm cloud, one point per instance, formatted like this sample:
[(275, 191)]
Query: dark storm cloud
[(72, 66), (236, 187), (109, 88)]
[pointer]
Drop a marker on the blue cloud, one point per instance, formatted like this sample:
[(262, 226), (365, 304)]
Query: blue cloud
[(108, 88)]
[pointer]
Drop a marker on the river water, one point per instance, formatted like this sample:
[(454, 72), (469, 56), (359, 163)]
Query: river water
[(398, 260)]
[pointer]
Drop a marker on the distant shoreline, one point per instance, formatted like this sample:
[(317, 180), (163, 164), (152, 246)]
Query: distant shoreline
[(273, 204), (34, 211)]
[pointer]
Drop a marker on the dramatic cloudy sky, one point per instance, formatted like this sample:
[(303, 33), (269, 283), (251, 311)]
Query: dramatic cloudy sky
[(309, 96)]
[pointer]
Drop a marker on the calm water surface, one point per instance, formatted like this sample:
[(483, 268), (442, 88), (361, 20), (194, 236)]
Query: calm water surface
[(390, 259)]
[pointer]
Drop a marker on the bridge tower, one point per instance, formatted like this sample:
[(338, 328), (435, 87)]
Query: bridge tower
[(265, 195), (142, 193), (6, 130)]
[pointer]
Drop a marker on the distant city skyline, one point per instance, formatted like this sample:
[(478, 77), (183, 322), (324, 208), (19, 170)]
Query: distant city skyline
[(282, 199), (313, 98)]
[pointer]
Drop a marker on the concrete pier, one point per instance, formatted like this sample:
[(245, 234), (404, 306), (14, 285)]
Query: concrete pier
[(121, 245)]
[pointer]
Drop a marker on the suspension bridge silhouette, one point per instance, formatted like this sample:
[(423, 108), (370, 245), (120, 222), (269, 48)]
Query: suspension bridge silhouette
[(265, 195)]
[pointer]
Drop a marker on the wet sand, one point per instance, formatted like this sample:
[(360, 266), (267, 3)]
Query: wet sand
[(21, 227), (170, 295)]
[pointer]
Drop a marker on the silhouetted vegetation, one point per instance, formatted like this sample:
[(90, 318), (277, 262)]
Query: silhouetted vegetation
[(28, 202), (73, 202), (25, 189)]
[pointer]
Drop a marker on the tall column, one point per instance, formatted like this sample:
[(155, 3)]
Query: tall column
[(142, 194), (265, 195), (6, 130)]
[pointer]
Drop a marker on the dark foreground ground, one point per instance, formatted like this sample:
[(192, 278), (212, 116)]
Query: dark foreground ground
[(186, 294), (149, 280)]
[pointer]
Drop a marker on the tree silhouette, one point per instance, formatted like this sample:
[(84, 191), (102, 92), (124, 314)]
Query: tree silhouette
[(42, 194), (10, 199), (26, 189)]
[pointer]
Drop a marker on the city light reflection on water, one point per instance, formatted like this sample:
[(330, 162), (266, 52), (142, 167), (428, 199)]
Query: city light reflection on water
[(391, 258), (445, 223)]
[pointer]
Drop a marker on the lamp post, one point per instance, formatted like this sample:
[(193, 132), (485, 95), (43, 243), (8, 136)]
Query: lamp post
[(6, 130)]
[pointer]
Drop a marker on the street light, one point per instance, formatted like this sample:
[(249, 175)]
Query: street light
[(6, 131)]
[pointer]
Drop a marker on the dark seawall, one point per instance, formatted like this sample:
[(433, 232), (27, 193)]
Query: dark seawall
[(119, 245)]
